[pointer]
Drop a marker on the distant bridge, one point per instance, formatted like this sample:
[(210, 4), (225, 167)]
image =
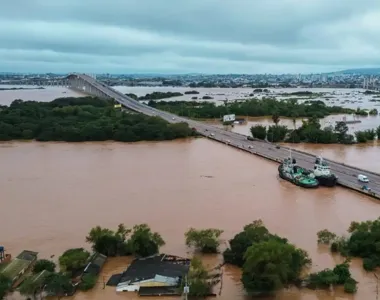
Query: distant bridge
[(347, 174)]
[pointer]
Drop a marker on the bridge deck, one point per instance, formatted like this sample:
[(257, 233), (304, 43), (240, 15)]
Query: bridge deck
[(347, 175)]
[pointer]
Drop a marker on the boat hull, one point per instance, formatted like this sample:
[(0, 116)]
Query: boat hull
[(296, 182), (328, 181)]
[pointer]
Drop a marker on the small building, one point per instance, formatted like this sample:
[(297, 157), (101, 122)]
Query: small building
[(95, 265), (155, 275), (17, 267)]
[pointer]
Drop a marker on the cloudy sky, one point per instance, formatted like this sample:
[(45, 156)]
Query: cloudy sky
[(186, 36)]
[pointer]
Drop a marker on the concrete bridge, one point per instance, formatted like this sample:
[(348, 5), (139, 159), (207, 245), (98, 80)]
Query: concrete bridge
[(347, 174)]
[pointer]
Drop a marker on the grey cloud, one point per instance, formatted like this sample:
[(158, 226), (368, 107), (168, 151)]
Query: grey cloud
[(183, 35)]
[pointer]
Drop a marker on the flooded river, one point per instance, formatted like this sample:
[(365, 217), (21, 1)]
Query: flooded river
[(53, 193)]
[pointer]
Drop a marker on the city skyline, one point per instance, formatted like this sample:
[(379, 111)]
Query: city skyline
[(181, 37)]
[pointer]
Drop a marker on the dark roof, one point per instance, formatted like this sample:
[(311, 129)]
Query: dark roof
[(114, 280), (28, 255), (96, 264), (165, 265), (159, 291)]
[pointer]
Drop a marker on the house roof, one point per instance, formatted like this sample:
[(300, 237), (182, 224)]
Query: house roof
[(95, 265), (20, 263), (28, 255), (148, 268)]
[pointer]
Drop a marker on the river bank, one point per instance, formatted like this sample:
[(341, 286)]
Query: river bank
[(186, 183)]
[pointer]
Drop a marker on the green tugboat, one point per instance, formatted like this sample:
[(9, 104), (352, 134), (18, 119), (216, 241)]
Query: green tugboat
[(288, 170)]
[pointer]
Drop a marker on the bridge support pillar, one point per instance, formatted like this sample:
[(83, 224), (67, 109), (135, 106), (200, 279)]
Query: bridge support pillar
[(80, 85)]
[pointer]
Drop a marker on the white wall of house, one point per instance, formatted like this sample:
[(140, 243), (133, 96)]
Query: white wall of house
[(124, 287), (158, 280)]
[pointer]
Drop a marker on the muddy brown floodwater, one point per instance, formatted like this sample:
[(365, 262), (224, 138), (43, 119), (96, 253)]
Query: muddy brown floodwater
[(53, 193)]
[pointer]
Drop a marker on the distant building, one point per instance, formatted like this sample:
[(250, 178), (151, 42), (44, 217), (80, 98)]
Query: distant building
[(155, 275)]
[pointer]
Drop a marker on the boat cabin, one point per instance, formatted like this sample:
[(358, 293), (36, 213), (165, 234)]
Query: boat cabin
[(321, 168)]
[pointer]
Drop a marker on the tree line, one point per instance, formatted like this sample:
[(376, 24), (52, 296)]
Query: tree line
[(252, 107), (83, 119), (312, 132)]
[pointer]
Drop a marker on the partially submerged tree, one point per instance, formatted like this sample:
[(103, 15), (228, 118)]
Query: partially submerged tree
[(205, 240), (363, 242), (73, 259), (143, 242), (109, 242), (271, 265), (325, 236), (5, 285), (33, 285), (276, 118), (58, 284), (43, 264), (88, 281), (197, 279), (252, 233), (328, 278)]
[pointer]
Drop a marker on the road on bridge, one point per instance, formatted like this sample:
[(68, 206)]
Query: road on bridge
[(347, 175)]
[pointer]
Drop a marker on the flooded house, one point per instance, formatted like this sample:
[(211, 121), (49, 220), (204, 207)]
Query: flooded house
[(152, 276)]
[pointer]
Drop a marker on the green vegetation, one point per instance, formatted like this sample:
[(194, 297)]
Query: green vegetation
[(272, 265), (367, 92), (73, 259), (58, 284), (160, 95), (260, 90), (54, 284), (133, 96), (259, 132), (311, 132), (83, 119), (88, 282), (142, 241), (361, 112), (43, 264), (252, 234), (109, 243), (5, 285), (205, 240), (269, 262), (276, 133), (327, 278), (373, 112), (191, 93), (197, 279), (303, 94), (365, 135), (364, 242), (253, 107), (33, 285)]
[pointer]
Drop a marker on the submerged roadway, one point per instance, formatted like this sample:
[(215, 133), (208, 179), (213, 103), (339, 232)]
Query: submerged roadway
[(347, 175)]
